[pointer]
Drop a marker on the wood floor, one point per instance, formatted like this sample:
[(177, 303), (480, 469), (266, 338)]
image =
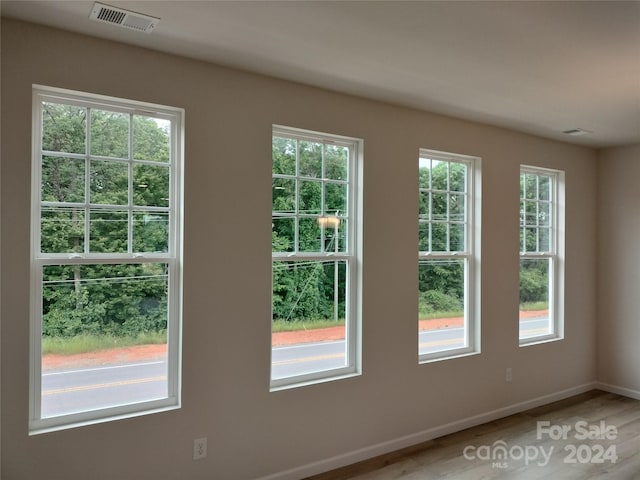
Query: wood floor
[(499, 449)]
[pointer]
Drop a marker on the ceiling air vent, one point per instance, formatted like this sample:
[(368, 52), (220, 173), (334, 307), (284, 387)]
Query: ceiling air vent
[(123, 18)]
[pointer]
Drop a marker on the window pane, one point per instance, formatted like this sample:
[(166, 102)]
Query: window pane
[(424, 205), (62, 179), (151, 139), (544, 214), (424, 173), (109, 134), (423, 237), (108, 231), (336, 162), (150, 232), (456, 237), (63, 128), (335, 198), (283, 195), (544, 240), (544, 187), (284, 156), (151, 185), (457, 177), (530, 186), (535, 283), (90, 308), (342, 235), (310, 159), (439, 206), (441, 305), (439, 175), (457, 208), (531, 213), (334, 231), (109, 182), (304, 294), (439, 237), (309, 234), (283, 234), (310, 197), (531, 239), (61, 230)]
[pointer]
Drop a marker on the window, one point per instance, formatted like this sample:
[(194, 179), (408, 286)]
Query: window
[(448, 255), (106, 257), (541, 254), (315, 263)]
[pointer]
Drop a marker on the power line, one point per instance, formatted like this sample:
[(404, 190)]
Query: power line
[(103, 279)]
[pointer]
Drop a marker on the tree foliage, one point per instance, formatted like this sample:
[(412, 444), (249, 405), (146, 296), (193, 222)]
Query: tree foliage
[(310, 181), (115, 299), (441, 228)]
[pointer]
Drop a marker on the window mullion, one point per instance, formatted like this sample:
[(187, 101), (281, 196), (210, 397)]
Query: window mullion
[(296, 226), (87, 188), (130, 187), (323, 208), (430, 216)]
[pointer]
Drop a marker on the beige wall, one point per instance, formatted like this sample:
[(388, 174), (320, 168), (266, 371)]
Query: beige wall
[(252, 432), (618, 269)]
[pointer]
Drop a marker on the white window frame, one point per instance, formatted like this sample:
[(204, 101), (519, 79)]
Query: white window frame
[(351, 255), (173, 259), (470, 255), (555, 255)]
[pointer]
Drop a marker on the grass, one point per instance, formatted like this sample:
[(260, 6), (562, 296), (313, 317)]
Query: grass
[(92, 343), (534, 306), (284, 326), (447, 314)]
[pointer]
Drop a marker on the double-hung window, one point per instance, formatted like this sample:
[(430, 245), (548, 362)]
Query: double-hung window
[(541, 254), (106, 258), (315, 262), (448, 255)]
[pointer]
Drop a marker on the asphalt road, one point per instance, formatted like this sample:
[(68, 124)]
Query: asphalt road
[(77, 390), (70, 391)]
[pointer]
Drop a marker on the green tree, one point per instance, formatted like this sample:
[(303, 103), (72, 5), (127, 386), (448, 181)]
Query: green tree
[(314, 186), (441, 204), (103, 298)]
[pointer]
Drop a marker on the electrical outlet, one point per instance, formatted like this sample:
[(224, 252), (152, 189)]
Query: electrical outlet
[(508, 377), (199, 448)]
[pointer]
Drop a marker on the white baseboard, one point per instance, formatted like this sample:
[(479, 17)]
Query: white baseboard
[(625, 392), (372, 451)]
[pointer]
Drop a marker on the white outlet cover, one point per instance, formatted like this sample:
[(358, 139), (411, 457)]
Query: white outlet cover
[(199, 448)]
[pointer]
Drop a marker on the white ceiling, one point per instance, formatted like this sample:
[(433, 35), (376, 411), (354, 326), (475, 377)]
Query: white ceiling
[(536, 67)]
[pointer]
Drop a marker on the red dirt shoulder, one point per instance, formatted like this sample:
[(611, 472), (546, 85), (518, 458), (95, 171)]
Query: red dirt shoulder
[(155, 352)]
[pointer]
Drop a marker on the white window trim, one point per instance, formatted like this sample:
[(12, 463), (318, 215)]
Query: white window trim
[(556, 255), (173, 258), (353, 322), (472, 301)]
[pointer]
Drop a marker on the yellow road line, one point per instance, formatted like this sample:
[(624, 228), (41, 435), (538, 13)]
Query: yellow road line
[(341, 355), (441, 342), (308, 359), (534, 331), (531, 332), (97, 386)]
